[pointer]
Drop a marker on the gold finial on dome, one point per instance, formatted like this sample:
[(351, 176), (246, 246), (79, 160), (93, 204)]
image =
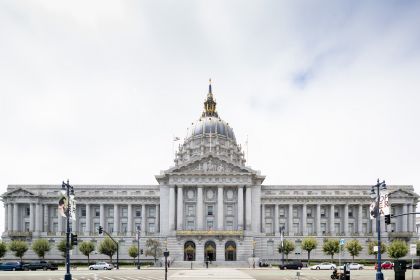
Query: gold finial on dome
[(210, 104)]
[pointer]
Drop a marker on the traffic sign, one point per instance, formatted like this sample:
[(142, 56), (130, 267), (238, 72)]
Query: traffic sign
[(342, 241), (413, 249)]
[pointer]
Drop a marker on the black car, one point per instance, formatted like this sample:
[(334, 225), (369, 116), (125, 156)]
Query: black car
[(291, 265), (44, 265), (11, 266), (415, 265)]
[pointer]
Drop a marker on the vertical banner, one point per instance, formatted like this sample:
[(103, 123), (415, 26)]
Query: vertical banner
[(383, 203), (62, 206)]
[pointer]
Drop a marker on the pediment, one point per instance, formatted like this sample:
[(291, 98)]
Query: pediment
[(401, 194), (19, 193), (210, 165)]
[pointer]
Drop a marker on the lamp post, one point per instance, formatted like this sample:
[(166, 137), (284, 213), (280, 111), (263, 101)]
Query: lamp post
[(138, 246), (282, 244), (166, 255), (376, 196), (67, 191)]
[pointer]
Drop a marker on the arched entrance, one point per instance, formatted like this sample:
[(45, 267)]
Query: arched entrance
[(189, 251), (230, 251), (210, 251)]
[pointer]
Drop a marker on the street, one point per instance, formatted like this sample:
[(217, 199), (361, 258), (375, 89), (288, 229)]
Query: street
[(196, 274)]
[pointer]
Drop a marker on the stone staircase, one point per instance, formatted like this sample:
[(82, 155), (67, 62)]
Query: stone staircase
[(202, 265)]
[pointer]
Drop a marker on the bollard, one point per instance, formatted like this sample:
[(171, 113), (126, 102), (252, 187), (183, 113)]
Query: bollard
[(298, 274)]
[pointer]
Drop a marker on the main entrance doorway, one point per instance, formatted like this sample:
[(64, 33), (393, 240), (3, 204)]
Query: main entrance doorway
[(230, 251), (210, 251), (189, 251)]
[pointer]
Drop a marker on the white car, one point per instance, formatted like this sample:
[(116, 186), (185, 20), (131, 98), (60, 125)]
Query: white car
[(324, 266), (101, 265), (354, 266)]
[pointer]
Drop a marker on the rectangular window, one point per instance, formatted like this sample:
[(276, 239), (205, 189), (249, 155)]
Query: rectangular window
[(295, 227), (111, 227), (337, 228), (190, 210), (364, 227), (229, 210), (351, 228), (124, 212), (138, 212), (268, 212), (96, 227), (336, 213), (97, 212), (152, 211), (151, 227), (309, 213), (55, 227), (281, 212), (209, 210), (138, 226), (209, 225), (111, 212), (350, 212), (323, 227), (124, 227), (83, 212), (190, 225), (323, 212), (27, 211), (309, 228), (229, 225), (83, 227), (26, 226), (295, 213), (364, 212), (268, 227)]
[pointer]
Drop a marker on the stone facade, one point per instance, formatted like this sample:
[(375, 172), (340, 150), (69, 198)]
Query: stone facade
[(209, 205)]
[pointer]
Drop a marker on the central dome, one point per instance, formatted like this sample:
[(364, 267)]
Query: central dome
[(211, 126)]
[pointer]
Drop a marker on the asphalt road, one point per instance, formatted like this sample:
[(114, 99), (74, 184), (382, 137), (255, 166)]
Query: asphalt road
[(196, 274)]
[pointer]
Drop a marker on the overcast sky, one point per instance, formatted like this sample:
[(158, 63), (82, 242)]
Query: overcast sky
[(94, 91)]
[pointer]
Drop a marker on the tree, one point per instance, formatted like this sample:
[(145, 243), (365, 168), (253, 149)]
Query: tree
[(108, 247), (354, 248), (19, 247), (133, 252), (331, 247), (153, 248), (397, 249), (372, 245), (61, 246), (41, 247), (288, 246), (86, 248), (418, 249), (309, 244), (3, 249)]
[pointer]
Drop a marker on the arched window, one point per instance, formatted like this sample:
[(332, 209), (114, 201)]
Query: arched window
[(230, 251), (189, 251)]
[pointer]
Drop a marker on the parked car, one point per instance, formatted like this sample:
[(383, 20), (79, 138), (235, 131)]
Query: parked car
[(44, 265), (291, 265), (101, 265), (324, 266), (11, 266), (353, 266), (415, 265), (385, 265)]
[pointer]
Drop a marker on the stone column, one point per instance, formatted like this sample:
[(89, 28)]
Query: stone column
[(88, 221), (276, 219), (38, 217), (199, 208), (10, 216), (180, 209), (15, 217), (157, 218), (262, 228), (409, 219), (256, 209), (31, 217), (171, 208), (6, 216), (129, 219), (304, 224), (404, 218), (290, 220), (46, 218), (60, 224), (248, 208), (220, 207), (74, 227), (373, 225), (346, 219), (143, 219), (318, 220), (332, 218), (116, 219), (240, 207), (360, 220), (102, 215), (413, 217)]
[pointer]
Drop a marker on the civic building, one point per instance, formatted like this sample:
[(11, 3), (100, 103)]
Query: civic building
[(210, 205)]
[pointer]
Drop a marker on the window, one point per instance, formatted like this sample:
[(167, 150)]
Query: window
[(190, 225), (295, 227), (309, 212), (110, 227), (364, 227), (295, 213), (55, 227), (190, 211), (83, 227), (268, 212), (336, 213), (26, 226), (229, 225), (323, 227), (323, 212), (281, 212), (96, 226), (97, 212), (152, 212), (351, 228), (209, 225), (364, 212), (83, 212), (337, 228), (209, 210), (309, 228), (351, 212), (124, 212), (138, 225), (268, 227), (111, 212), (151, 227), (138, 212), (230, 210), (27, 211), (124, 227)]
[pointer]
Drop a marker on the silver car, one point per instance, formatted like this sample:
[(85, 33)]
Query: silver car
[(323, 266), (101, 266), (353, 266)]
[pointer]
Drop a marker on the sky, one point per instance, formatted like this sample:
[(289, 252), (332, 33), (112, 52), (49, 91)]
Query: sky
[(327, 92)]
